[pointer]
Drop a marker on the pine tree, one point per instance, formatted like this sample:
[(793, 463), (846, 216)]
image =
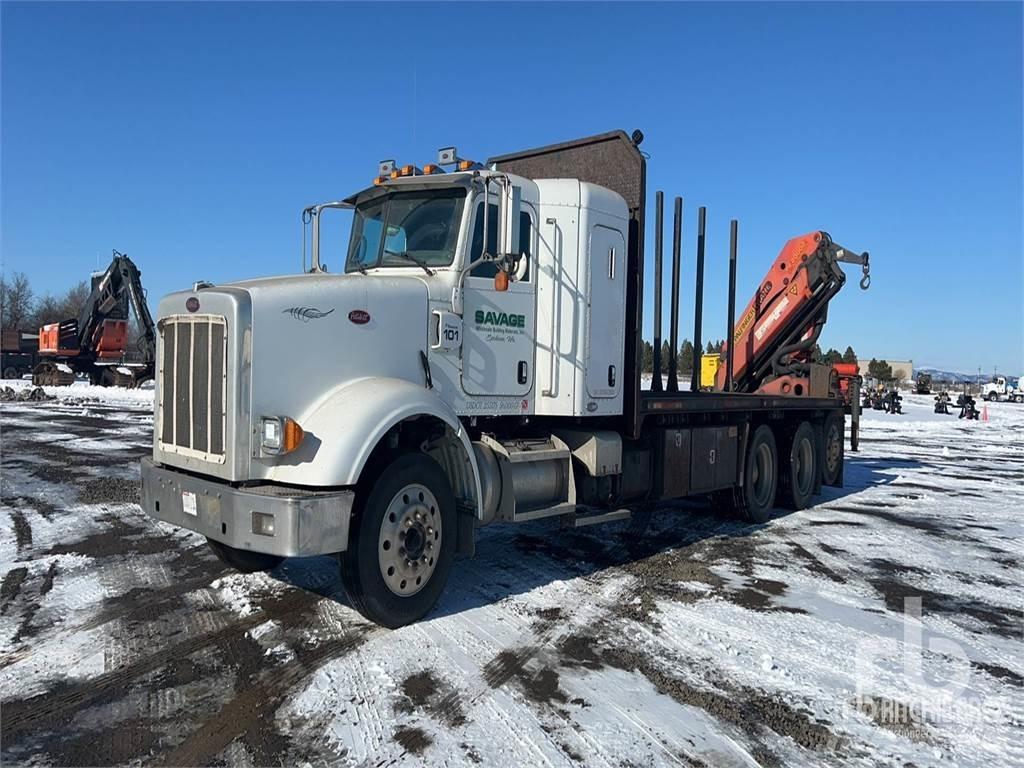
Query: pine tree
[(648, 357), (685, 362), (849, 356)]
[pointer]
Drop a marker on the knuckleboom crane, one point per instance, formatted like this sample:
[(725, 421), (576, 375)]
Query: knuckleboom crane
[(771, 344), (95, 343)]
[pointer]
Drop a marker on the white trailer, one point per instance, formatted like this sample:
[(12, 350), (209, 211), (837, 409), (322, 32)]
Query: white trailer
[(476, 361)]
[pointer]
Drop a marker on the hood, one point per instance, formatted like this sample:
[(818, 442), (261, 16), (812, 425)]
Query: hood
[(288, 343)]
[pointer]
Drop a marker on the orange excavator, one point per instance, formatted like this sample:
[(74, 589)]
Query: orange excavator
[(96, 342), (774, 337)]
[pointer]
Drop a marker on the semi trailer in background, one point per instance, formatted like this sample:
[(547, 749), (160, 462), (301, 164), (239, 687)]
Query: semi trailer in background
[(478, 360)]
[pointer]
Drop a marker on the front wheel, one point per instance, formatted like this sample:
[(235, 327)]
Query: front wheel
[(991, 397), (403, 542), (11, 373)]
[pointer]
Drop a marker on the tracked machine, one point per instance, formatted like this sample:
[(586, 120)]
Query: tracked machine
[(96, 343)]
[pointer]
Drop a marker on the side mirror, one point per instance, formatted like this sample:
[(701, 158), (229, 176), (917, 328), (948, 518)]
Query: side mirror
[(508, 220)]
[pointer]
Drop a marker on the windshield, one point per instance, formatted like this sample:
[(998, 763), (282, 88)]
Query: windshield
[(406, 229)]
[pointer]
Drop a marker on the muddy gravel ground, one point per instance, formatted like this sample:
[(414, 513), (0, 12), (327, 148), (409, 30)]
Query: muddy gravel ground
[(882, 626)]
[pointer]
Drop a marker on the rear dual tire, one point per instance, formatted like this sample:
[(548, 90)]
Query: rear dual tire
[(755, 500), (799, 476), (788, 481)]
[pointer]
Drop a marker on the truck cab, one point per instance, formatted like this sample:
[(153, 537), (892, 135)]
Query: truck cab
[(463, 296)]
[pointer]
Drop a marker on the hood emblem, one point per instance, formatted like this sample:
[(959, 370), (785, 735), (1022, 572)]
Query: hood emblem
[(359, 316), (192, 304), (305, 314)]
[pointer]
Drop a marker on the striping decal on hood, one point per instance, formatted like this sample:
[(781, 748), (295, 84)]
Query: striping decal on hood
[(305, 314)]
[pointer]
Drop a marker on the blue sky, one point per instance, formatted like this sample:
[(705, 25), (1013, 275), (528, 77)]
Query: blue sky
[(190, 136)]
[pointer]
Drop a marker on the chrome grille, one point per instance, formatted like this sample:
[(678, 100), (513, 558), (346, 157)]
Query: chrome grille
[(193, 385)]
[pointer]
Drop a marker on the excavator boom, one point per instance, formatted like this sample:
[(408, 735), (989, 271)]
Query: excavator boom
[(774, 335)]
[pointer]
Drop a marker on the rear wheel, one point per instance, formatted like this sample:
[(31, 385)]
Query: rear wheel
[(832, 453), (755, 500), (799, 471), (403, 542), (242, 559), (761, 476)]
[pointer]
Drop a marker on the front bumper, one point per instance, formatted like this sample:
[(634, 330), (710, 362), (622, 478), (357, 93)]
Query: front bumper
[(304, 522)]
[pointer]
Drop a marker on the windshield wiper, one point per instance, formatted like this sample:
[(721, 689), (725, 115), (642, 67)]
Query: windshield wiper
[(409, 257)]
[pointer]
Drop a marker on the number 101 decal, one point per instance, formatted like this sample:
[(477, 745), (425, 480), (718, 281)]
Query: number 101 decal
[(448, 333)]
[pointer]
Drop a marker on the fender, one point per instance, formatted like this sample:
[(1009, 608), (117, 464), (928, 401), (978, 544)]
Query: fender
[(344, 427)]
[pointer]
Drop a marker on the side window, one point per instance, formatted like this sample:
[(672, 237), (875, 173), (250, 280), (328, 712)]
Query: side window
[(488, 269)]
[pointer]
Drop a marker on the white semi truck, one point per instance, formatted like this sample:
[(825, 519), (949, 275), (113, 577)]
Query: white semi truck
[(999, 387), (476, 360)]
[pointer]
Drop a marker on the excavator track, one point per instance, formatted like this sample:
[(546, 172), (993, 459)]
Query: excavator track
[(49, 374)]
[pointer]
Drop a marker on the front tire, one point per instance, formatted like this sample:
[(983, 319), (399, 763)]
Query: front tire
[(403, 542), (11, 373), (242, 559), (800, 471)]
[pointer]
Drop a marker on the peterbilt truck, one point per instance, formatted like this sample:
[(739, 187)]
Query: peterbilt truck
[(999, 387), (476, 360)]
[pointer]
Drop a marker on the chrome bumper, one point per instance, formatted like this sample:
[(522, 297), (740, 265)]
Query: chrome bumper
[(304, 522)]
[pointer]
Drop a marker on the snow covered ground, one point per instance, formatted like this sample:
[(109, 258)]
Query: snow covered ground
[(881, 627)]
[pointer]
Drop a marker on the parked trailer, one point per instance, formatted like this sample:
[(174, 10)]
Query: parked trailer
[(17, 353), (478, 362)]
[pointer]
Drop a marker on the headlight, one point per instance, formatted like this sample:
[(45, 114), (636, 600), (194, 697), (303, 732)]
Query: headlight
[(279, 435)]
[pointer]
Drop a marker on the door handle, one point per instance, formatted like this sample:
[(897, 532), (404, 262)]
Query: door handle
[(611, 375), (523, 372)]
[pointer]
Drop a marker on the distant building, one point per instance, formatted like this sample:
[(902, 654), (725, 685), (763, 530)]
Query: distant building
[(902, 370)]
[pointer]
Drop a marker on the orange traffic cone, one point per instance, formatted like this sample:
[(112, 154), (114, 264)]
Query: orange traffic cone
[(984, 412)]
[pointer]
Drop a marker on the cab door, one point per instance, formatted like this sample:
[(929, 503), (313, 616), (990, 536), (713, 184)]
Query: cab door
[(606, 256), (498, 340)]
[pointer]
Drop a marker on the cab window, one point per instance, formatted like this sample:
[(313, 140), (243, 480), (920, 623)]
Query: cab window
[(489, 269)]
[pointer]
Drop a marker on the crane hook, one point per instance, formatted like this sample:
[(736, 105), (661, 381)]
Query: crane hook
[(866, 280)]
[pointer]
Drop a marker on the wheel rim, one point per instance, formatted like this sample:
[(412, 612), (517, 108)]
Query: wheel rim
[(833, 448), (409, 546), (761, 475), (803, 466)]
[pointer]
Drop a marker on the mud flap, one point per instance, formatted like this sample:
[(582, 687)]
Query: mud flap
[(465, 543)]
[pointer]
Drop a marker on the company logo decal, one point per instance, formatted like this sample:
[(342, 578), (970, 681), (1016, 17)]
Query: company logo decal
[(744, 325), (192, 304), (305, 314), (359, 316), (500, 319)]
